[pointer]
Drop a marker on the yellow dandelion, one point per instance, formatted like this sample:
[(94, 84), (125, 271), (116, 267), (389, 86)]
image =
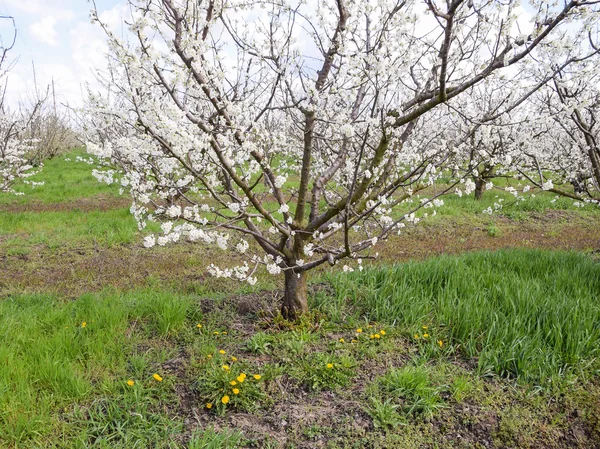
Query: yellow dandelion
[(234, 359), (221, 351), (66, 327), (377, 336), (369, 326), (359, 330), (209, 405), (157, 377), (354, 341), (371, 336), (236, 391), (341, 340), (329, 365), (425, 335), (199, 326), (382, 332), (425, 327), (225, 367), (225, 399), (440, 343), (233, 382), (209, 356), (241, 378), (224, 333), (416, 336), (257, 376), (131, 382), (216, 333), (84, 324)]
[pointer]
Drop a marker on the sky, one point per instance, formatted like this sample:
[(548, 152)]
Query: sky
[(58, 37)]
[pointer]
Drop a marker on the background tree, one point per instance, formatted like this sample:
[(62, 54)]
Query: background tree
[(569, 132), (331, 105), (15, 148)]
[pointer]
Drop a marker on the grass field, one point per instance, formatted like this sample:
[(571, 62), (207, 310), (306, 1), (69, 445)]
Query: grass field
[(486, 335)]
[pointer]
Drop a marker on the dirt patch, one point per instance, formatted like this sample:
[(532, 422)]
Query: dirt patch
[(87, 204), (544, 231)]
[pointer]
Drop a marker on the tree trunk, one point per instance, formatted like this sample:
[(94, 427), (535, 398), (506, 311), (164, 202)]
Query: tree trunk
[(578, 186), (479, 184), (295, 296)]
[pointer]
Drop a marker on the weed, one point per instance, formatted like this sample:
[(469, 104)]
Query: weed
[(259, 343), (461, 387), (212, 439), (226, 382), (412, 384), (384, 413), (321, 370)]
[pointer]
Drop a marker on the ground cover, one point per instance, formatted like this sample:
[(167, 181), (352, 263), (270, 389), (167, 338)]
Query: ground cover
[(106, 344)]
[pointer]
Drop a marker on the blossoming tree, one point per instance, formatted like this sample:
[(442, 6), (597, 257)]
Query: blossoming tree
[(568, 142), (296, 133), (14, 147)]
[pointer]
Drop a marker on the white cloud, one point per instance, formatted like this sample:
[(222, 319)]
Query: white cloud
[(40, 8), (43, 30)]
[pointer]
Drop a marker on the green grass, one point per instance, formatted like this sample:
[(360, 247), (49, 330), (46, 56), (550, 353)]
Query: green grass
[(415, 387), (64, 180), (533, 315), (68, 228), (51, 361)]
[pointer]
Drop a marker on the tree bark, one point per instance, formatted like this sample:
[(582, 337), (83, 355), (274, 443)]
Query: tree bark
[(295, 296), (479, 184)]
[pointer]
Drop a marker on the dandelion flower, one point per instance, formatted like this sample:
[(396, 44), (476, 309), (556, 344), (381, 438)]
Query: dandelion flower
[(225, 367), (354, 341), (209, 356), (257, 376), (341, 340), (221, 351), (371, 336), (236, 391), (425, 335), (199, 326), (233, 382), (209, 405), (224, 333), (329, 365), (131, 382), (241, 378), (157, 377), (234, 359), (225, 399), (216, 333), (440, 343), (359, 330), (425, 327), (382, 332), (84, 324), (377, 336), (416, 336)]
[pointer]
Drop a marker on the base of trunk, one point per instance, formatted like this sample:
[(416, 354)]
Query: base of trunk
[(295, 296)]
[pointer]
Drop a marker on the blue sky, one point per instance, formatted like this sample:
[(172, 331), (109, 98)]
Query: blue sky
[(58, 37)]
